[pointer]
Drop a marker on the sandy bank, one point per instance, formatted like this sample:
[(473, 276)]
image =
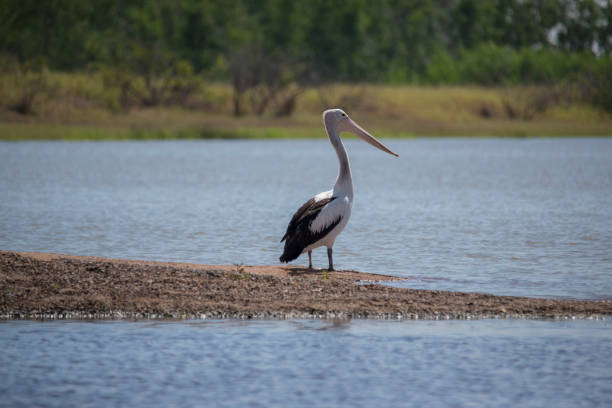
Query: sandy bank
[(36, 285)]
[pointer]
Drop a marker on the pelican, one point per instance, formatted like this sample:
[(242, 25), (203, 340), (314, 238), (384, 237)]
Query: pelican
[(321, 219)]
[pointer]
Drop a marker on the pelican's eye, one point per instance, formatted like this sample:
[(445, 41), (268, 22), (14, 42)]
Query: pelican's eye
[(343, 115)]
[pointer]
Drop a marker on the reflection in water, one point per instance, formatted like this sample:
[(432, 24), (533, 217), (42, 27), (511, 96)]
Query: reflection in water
[(518, 217), (306, 363), (322, 325)]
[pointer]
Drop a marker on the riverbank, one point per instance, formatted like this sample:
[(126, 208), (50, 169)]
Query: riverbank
[(51, 286), (81, 107)]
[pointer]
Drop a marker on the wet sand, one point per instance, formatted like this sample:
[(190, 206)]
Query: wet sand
[(50, 286)]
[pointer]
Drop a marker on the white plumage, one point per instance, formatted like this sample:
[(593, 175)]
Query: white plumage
[(338, 208), (322, 218)]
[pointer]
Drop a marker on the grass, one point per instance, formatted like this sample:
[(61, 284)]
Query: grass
[(78, 107), (239, 272)]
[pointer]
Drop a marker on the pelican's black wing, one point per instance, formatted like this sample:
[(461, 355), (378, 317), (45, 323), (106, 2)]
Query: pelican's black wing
[(299, 235)]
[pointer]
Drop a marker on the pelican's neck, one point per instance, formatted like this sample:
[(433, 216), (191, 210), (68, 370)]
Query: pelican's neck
[(344, 182)]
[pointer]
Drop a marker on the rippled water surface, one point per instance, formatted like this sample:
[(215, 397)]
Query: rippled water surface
[(306, 364), (520, 217)]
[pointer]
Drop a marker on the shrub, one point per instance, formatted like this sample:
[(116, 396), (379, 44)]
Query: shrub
[(489, 64), (442, 69), (594, 85), (29, 87)]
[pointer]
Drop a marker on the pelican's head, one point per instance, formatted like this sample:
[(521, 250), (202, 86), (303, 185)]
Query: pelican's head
[(339, 120)]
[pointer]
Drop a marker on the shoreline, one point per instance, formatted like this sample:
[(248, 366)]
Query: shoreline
[(43, 286), (51, 131), (410, 111)]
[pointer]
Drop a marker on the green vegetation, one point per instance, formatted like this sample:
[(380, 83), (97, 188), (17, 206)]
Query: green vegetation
[(239, 272), (109, 69), (76, 110)]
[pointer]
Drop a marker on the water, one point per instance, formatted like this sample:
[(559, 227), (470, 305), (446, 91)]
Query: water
[(306, 364), (516, 217), (520, 217)]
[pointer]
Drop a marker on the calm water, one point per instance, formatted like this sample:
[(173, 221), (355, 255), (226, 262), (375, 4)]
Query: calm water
[(307, 364), (519, 217), (526, 217)]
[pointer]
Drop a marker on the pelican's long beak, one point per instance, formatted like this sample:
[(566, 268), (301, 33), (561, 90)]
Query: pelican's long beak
[(354, 128)]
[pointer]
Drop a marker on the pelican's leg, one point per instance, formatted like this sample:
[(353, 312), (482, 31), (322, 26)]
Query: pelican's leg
[(309, 259), (329, 256)]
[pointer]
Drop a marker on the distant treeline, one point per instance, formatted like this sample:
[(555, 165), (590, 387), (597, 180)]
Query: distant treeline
[(273, 45)]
